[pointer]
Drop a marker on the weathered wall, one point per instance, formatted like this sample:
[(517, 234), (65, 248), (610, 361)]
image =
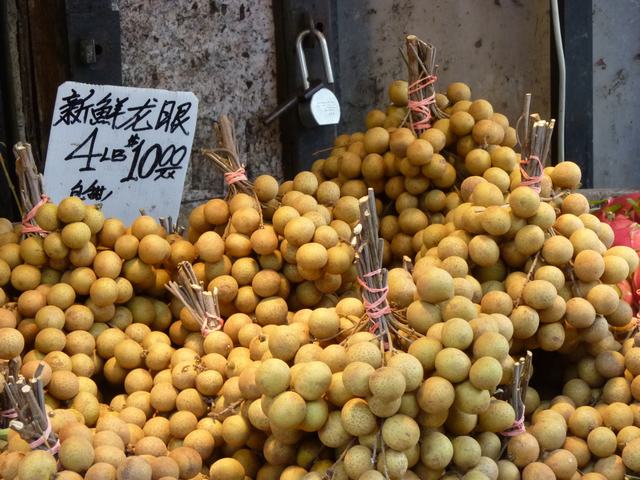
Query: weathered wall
[(224, 52), (616, 102), (499, 47)]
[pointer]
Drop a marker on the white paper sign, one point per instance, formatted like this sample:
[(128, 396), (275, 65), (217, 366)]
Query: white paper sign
[(127, 148)]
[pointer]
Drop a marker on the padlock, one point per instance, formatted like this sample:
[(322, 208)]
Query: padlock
[(322, 108), (293, 101)]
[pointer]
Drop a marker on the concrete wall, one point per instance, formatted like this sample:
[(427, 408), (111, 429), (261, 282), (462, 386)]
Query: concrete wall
[(223, 51), (616, 93), (499, 47)]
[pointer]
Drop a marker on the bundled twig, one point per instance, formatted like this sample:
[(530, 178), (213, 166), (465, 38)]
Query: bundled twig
[(516, 393), (7, 413), (372, 276), (227, 159), (169, 226), (201, 304), (380, 318), (11, 185), (27, 410), (535, 144), (30, 187), (421, 63)]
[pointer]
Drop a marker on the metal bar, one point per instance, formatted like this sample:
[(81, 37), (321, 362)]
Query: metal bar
[(577, 34), (93, 35), (291, 17)]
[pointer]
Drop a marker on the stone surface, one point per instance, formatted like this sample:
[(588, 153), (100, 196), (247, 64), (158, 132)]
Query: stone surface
[(500, 48), (616, 103), (222, 51)]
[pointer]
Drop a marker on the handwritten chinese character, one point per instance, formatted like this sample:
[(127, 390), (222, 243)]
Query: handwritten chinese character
[(172, 118), (107, 112), (95, 191), (135, 122), (75, 108), (133, 141)]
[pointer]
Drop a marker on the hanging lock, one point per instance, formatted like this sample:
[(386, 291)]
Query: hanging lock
[(323, 107), (317, 104)]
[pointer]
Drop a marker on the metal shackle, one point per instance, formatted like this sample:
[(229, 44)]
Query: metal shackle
[(302, 59)]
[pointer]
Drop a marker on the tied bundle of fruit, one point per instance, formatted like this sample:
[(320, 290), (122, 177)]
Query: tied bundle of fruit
[(388, 324), (227, 160), (30, 188), (422, 105), (278, 249), (536, 144), (417, 172), (201, 304), (25, 407)]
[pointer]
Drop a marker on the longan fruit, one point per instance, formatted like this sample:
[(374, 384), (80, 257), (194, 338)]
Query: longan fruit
[(566, 175), (374, 118), (399, 141), (480, 109), (524, 202), (458, 91), (503, 157), (461, 123), (398, 93), (376, 140)]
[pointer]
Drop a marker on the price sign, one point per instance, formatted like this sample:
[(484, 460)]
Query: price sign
[(127, 148)]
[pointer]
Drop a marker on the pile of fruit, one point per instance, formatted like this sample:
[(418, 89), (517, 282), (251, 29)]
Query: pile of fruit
[(305, 379)]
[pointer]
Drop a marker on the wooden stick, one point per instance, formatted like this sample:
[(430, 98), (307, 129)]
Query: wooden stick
[(12, 187), (202, 305), (227, 135), (29, 180), (421, 66)]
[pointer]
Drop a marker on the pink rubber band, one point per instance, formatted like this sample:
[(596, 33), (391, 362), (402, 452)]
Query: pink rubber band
[(422, 107), (26, 225), (10, 413), (516, 429), (528, 180), (238, 176), (53, 450), (378, 308), (213, 324), (373, 273), (43, 438)]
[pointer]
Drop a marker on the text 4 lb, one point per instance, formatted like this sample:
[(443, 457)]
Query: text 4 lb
[(146, 161)]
